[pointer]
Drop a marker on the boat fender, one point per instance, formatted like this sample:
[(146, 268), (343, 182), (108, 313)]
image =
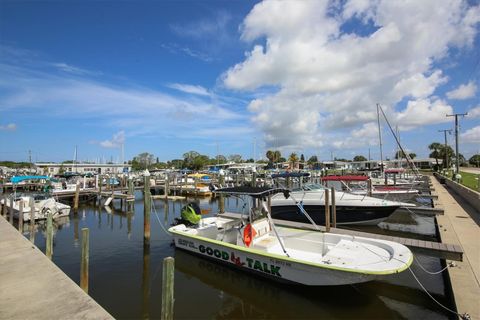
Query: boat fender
[(248, 234)]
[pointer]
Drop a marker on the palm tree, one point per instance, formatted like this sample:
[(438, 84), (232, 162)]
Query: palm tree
[(270, 155), (436, 148), (293, 159)]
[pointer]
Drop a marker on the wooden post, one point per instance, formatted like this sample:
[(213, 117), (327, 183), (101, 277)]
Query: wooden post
[(100, 183), (49, 245), (32, 219), (168, 288), (369, 187), (20, 216), (254, 179), (195, 185), (166, 188), (131, 192), (4, 208), (77, 196), (327, 210), (147, 205), (334, 209), (10, 211), (85, 259), (221, 200)]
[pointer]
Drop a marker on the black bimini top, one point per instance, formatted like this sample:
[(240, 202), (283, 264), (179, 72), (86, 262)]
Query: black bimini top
[(256, 192)]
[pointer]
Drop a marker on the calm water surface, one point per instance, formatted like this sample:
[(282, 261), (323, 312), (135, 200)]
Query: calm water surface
[(127, 281)]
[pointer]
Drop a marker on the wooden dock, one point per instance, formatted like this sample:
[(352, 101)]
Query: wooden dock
[(456, 226), (33, 287)]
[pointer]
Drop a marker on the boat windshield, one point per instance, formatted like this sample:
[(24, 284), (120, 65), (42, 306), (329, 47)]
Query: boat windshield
[(311, 187)]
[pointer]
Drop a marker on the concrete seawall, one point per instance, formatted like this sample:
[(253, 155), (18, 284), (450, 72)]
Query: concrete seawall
[(470, 196)]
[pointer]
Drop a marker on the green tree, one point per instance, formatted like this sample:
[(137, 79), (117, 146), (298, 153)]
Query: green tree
[(176, 163), (142, 161), (475, 160), (270, 155), (235, 158), (359, 158), (412, 155), (399, 155), (293, 160), (435, 148)]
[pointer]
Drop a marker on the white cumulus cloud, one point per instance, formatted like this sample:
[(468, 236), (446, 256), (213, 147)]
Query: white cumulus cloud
[(471, 136), (117, 140), (464, 91), (328, 76)]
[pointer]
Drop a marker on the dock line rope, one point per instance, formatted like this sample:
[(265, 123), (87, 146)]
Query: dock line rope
[(158, 219), (450, 264), (464, 316)]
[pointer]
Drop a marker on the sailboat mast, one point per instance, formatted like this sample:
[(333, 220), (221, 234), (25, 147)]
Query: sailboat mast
[(380, 138)]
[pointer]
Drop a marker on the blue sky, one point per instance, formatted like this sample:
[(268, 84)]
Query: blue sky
[(167, 77)]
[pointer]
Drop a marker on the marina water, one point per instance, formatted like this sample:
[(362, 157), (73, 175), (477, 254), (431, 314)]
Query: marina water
[(126, 279)]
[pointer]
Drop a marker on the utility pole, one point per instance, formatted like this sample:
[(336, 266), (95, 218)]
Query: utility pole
[(445, 165), (457, 165), (30, 157)]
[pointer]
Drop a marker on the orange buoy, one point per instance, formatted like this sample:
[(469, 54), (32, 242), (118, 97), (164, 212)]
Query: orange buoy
[(248, 234)]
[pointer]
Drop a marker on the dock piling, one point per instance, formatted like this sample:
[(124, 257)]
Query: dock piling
[(10, 211), (147, 206), (85, 260), (168, 288), (334, 209), (49, 245), (327, 210), (32, 219), (20, 216), (4, 208), (77, 196)]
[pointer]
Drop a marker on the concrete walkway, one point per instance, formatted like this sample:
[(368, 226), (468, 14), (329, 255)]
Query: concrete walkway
[(457, 227), (33, 287)]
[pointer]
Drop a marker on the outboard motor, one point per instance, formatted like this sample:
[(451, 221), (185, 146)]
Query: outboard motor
[(190, 214)]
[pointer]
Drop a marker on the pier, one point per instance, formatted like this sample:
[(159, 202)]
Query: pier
[(458, 227), (33, 287)]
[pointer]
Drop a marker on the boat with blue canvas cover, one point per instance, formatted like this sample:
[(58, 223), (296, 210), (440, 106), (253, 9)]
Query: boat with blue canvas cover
[(253, 243)]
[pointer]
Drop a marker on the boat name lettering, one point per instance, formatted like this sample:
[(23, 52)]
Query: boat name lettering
[(187, 243), (214, 252), (262, 266)]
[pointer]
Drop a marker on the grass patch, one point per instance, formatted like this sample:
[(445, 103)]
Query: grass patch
[(469, 180)]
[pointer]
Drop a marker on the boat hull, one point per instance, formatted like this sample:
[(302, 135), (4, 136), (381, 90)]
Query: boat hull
[(278, 267), (274, 267), (368, 215)]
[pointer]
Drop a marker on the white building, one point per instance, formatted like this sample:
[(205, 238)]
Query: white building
[(94, 168)]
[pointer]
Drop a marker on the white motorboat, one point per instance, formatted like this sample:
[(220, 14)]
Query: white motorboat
[(300, 256), (42, 206), (350, 208), (358, 184)]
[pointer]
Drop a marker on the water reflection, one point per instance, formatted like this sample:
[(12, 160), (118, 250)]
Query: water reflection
[(126, 277), (146, 283), (244, 296)]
